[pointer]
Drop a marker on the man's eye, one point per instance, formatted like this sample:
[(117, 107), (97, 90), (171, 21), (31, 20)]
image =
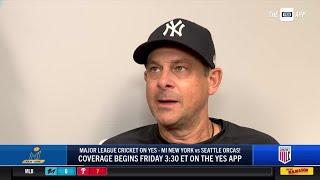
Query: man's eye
[(180, 68), (154, 69)]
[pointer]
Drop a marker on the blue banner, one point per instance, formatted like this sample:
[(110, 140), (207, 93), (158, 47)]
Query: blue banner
[(275, 155), (160, 155), (13, 155)]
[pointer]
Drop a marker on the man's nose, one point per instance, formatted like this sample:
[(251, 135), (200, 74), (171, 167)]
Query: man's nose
[(165, 81)]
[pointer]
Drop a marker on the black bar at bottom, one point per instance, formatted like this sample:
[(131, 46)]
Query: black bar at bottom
[(5, 173), (25, 171), (192, 171)]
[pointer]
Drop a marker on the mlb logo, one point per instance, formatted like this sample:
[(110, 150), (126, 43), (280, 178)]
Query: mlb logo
[(284, 154), (286, 14)]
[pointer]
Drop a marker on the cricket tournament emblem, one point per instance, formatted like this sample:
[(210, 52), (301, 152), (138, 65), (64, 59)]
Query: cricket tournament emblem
[(34, 157)]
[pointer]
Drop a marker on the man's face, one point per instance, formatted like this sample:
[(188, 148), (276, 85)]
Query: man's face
[(177, 88)]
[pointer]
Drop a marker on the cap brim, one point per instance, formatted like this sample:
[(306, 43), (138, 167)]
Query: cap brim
[(142, 52)]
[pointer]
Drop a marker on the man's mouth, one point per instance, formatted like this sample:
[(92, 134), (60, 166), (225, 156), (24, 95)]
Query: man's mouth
[(167, 102)]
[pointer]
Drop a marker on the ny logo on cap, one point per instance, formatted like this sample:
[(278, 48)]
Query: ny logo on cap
[(173, 29)]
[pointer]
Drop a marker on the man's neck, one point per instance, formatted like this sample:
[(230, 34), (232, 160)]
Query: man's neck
[(195, 131)]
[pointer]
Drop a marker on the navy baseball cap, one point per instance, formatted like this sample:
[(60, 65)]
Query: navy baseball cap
[(180, 33)]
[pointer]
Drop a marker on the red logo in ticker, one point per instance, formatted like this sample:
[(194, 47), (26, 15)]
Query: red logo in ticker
[(83, 171)]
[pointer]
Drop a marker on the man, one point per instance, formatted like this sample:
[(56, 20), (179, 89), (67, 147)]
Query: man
[(180, 76)]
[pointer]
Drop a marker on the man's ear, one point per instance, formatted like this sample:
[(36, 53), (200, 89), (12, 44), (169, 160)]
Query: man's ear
[(214, 79), (145, 75)]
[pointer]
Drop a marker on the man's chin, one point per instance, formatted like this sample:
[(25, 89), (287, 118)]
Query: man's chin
[(167, 121)]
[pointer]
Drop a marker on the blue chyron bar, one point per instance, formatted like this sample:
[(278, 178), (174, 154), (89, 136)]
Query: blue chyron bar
[(289, 155), (29, 155), (151, 160), (161, 155)]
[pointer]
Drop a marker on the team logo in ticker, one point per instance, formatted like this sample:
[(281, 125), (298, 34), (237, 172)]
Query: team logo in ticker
[(34, 157), (284, 154)]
